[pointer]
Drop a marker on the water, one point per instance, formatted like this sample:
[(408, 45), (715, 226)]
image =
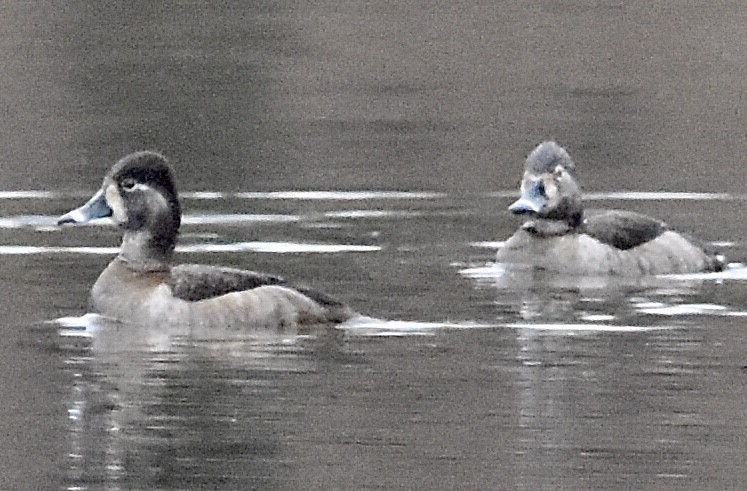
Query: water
[(371, 152), (470, 378)]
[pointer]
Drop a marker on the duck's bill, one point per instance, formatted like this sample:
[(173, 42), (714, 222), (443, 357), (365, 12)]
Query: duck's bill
[(95, 208), (526, 206)]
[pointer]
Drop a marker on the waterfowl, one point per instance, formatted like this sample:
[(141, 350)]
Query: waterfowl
[(141, 285), (559, 237)]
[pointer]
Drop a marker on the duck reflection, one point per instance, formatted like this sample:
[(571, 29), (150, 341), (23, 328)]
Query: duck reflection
[(547, 300), (167, 410)]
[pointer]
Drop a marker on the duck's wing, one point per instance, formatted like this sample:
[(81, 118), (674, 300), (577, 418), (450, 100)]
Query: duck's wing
[(194, 282), (623, 229)]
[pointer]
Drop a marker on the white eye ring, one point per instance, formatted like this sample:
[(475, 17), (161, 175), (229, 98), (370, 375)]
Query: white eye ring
[(115, 202), (130, 185)]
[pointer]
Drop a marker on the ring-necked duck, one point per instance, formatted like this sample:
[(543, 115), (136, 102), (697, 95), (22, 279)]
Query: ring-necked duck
[(140, 285), (559, 237)]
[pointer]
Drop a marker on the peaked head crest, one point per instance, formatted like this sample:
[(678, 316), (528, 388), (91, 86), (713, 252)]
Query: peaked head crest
[(547, 157)]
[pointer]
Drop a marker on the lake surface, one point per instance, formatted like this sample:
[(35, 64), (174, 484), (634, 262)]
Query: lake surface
[(371, 151)]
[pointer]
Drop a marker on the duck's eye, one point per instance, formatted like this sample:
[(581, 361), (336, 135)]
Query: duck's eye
[(128, 183)]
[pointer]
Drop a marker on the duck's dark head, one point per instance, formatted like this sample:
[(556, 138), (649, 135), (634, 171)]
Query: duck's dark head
[(139, 195), (548, 188)]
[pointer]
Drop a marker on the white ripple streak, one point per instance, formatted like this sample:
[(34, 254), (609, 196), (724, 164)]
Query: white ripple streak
[(273, 247)]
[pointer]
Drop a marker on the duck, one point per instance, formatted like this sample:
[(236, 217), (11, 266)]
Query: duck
[(559, 236), (143, 285)]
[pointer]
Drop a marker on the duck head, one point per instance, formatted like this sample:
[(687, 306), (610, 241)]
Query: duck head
[(548, 188), (139, 195)]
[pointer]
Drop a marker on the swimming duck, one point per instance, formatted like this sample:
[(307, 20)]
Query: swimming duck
[(142, 286), (559, 237)]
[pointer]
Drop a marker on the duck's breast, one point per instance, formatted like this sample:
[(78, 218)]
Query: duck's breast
[(567, 254), (131, 296)]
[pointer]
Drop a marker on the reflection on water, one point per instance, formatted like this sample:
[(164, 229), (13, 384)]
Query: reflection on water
[(151, 418), (541, 300), (463, 376)]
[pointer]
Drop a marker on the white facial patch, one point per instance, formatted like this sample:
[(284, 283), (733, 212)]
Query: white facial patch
[(116, 203), (551, 191)]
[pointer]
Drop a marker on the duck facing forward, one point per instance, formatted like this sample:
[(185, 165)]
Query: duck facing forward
[(558, 237), (142, 286)]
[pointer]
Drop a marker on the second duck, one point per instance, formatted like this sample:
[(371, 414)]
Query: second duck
[(559, 237)]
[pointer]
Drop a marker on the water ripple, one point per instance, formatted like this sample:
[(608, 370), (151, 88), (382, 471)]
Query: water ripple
[(591, 327), (338, 195), (369, 326), (660, 196), (278, 247), (29, 194), (372, 214), (24, 221), (488, 244), (686, 309), (272, 247), (229, 218)]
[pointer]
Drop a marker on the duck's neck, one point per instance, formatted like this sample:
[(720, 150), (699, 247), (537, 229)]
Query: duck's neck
[(143, 251), (550, 227), (576, 219)]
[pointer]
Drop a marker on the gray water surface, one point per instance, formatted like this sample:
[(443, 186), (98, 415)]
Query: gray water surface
[(464, 377), (370, 150)]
